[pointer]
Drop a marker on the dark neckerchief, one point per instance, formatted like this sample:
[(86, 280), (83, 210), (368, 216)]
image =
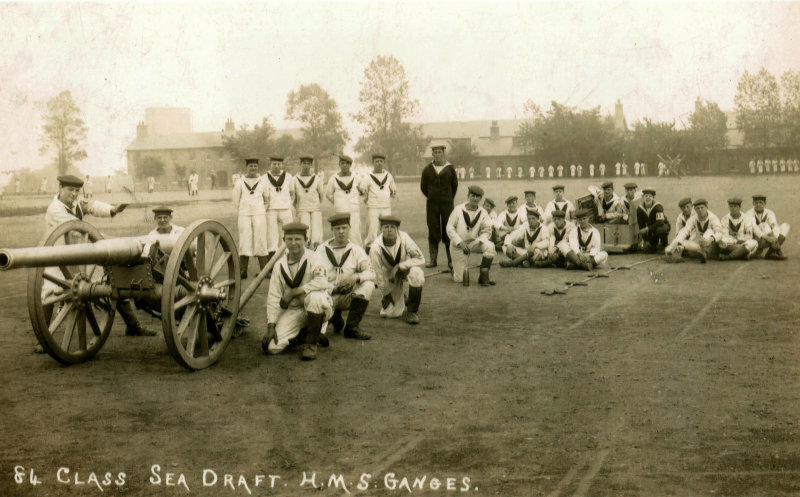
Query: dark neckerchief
[(530, 210), (702, 227), (78, 210), (562, 209), (381, 184), (532, 238), (345, 188), (734, 227), (277, 183), (559, 236), (584, 243), (608, 205), (251, 189), (310, 182), (332, 257), (298, 276), (759, 218), (470, 222), (509, 221), (393, 261)]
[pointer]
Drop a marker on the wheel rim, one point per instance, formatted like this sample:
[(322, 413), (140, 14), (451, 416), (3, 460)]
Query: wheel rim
[(69, 329), (200, 297)]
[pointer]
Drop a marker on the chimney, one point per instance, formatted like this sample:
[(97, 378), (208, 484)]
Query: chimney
[(619, 117), (494, 131), (229, 126), (141, 130)]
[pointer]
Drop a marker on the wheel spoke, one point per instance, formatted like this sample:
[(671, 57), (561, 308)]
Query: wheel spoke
[(201, 253), (214, 245), (219, 264), (192, 339), (189, 299), (187, 318), (190, 265), (60, 317), (187, 284), (69, 327), (55, 279), (92, 321), (81, 319), (202, 331), (224, 283), (54, 299), (66, 272)]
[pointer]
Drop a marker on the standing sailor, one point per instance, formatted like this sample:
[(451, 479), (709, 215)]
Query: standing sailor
[(439, 185)]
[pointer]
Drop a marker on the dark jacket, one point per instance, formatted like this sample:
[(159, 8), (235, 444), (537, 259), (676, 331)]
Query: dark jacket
[(439, 188)]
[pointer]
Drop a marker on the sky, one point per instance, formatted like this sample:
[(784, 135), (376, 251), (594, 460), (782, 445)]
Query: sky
[(464, 60)]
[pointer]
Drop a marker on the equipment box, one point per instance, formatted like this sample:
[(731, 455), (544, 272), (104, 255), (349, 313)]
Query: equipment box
[(618, 238)]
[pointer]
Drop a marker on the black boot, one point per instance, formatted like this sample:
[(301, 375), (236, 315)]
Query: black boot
[(132, 326), (336, 321), (262, 261), (243, 262), (572, 260), (357, 308), (414, 299), (433, 247), (314, 327), (483, 279), (449, 259)]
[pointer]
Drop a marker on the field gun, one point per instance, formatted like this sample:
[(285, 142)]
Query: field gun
[(190, 281)]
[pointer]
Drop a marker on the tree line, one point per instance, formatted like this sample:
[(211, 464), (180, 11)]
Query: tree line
[(768, 113)]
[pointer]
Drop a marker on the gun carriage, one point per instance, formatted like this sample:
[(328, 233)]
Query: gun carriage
[(76, 278)]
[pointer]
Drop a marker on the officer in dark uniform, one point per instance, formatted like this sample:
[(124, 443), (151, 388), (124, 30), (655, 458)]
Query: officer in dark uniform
[(439, 183)]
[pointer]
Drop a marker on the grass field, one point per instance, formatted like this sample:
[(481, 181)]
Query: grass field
[(667, 379)]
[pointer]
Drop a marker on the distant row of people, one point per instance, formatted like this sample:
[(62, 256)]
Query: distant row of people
[(551, 171), (774, 166)]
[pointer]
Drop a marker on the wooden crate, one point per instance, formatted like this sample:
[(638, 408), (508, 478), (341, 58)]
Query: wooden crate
[(618, 238)]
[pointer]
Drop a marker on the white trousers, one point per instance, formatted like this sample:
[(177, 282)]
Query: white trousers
[(539, 254), (415, 278), (374, 227), (276, 218), (294, 319), (314, 222), (460, 260), (253, 235)]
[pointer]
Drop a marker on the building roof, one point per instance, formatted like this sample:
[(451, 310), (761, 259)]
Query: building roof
[(470, 129), (207, 139), (502, 146)]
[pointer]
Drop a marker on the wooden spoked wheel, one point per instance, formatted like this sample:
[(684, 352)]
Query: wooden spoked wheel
[(69, 328), (200, 296)]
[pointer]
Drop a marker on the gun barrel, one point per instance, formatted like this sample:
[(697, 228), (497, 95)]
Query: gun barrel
[(115, 251)]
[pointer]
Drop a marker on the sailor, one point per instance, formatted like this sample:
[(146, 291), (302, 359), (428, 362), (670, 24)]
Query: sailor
[(559, 203), (379, 190), (298, 302), (772, 234), (528, 245), (652, 222), (738, 238), (439, 184), (280, 186), (342, 191), (397, 261), (250, 196), (351, 277), (586, 246), (469, 229), (309, 190)]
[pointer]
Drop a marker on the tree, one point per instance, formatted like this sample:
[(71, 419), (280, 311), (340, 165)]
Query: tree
[(150, 166), (63, 131), (323, 134), (258, 142), (386, 106), (649, 139), (708, 127), (462, 152), (790, 109), (758, 108), (565, 135)]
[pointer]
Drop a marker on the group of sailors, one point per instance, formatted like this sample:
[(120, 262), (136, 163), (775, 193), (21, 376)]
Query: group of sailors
[(558, 171), (766, 166), (319, 284)]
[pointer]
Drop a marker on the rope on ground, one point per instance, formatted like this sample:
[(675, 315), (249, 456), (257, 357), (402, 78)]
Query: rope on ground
[(594, 276)]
